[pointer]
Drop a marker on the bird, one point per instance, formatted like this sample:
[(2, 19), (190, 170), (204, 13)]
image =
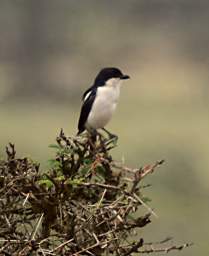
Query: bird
[(100, 100)]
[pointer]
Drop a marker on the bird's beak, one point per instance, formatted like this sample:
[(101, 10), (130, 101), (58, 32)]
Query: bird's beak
[(123, 77)]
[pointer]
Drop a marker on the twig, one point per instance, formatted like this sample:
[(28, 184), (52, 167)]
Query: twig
[(100, 201), (37, 226), (7, 221), (61, 245), (13, 241), (135, 247), (92, 246), (167, 249), (146, 206), (26, 199), (107, 186), (167, 239), (150, 168)]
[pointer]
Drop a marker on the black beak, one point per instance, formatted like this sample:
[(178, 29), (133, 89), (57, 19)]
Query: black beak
[(123, 77)]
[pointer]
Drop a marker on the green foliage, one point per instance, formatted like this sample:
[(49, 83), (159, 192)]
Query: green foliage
[(54, 164), (74, 182), (46, 182)]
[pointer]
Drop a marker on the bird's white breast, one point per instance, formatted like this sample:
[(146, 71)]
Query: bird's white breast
[(104, 105)]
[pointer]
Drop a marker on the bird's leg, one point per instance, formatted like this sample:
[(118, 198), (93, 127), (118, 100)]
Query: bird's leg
[(94, 134), (92, 137), (112, 137), (102, 141)]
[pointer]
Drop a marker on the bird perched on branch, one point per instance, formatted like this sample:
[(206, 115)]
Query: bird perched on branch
[(100, 100)]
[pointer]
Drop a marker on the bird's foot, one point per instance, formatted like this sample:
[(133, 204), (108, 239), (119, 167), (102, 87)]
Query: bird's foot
[(112, 138), (99, 142)]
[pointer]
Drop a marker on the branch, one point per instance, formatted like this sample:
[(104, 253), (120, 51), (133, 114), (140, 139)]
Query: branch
[(167, 249), (135, 247)]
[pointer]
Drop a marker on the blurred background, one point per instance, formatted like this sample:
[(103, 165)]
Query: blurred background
[(50, 52)]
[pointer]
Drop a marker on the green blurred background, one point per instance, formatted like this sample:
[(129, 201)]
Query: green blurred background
[(50, 52)]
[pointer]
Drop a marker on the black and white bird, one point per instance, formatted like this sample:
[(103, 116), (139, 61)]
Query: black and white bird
[(100, 100)]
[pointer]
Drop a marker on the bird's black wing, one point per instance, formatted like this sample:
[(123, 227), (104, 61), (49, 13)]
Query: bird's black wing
[(88, 99)]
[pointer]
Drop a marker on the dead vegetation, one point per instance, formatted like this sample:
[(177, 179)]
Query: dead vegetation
[(85, 204)]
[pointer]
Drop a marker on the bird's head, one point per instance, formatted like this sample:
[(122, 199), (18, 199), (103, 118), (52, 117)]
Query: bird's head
[(110, 77)]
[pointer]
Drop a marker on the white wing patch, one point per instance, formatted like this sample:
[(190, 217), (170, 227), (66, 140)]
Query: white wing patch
[(86, 96)]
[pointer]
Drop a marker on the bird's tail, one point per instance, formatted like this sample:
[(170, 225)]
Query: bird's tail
[(79, 131)]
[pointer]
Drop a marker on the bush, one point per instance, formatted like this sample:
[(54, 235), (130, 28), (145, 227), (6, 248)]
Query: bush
[(86, 204)]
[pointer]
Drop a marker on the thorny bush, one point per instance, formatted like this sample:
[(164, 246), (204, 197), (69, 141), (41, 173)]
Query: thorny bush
[(85, 204)]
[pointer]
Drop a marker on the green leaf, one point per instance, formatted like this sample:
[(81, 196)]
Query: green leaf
[(84, 170), (87, 161), (60, 178), (65, 151), (48, 183), (54, 164), (100, 170), (74, 182), (86, 166)]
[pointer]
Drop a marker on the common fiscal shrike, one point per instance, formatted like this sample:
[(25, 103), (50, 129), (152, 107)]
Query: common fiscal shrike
[(100, 100)]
